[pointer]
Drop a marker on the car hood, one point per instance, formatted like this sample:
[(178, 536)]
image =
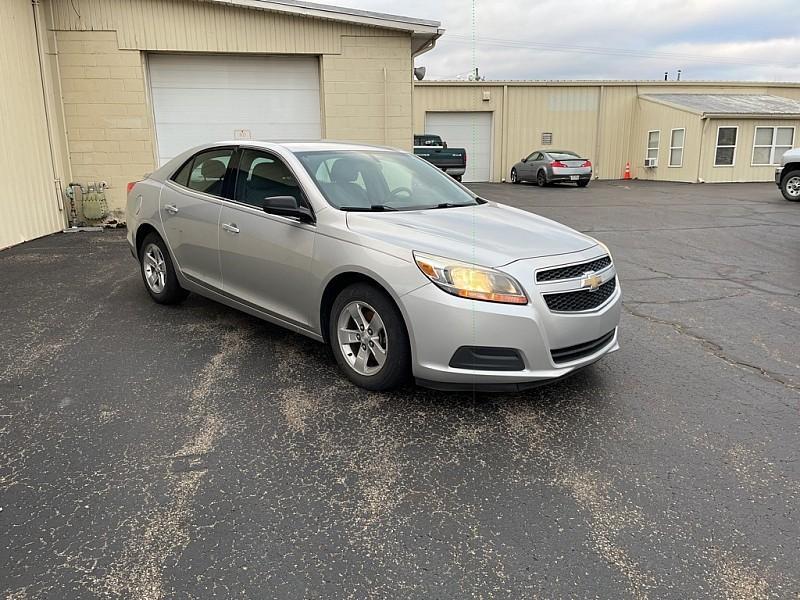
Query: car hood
[(489, 234)]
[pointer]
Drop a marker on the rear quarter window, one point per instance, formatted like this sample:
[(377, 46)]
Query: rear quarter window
[(182, 176)]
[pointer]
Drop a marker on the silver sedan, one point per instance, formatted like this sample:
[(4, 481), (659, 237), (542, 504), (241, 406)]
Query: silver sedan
[(374, 251), (553, 166)]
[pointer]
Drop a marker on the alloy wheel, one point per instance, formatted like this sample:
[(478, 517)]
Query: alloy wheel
[(513, 176), (155, 268), (362, 337)]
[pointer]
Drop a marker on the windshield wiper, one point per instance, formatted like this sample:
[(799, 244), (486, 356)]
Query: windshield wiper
[(452, 205), (373, 208)]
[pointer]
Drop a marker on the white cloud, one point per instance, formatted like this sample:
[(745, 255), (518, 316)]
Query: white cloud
[(708, 39)]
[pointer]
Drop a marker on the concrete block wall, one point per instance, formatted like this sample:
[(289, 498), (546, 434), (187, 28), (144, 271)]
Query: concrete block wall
[(360, 102), (106, 113)]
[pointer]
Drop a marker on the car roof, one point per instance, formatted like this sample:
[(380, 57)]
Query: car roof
[(302, 146)]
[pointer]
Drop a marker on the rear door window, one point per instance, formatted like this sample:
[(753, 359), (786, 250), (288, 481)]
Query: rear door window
[(205, 171)]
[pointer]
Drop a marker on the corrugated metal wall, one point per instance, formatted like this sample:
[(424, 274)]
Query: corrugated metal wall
[(742, 169), (192, 26), (605, 121), (651, 116), (28, 204)]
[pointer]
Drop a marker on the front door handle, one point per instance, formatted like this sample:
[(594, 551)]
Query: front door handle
[(231, 227), (171, 208)]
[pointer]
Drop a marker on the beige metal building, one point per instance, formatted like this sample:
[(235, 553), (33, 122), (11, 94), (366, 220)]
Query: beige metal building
[(105, 90), (675, 124)]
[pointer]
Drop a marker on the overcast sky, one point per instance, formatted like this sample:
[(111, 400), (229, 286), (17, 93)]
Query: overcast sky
[(609, 39)]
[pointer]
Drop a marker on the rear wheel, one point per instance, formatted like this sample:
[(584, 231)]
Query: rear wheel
[(514, 178), (541, 179), (158, 273), (790, 186), (369, 339), (583, 183), (457, 178)]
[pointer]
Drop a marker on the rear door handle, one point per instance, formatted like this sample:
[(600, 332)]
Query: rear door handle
[(230, 227), (171, 208)]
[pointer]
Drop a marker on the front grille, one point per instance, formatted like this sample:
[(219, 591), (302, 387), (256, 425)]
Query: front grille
[(582, 299), (563, 355), (573, 271)]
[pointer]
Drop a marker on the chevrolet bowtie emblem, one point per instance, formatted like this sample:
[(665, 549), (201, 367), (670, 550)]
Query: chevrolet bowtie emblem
[(591, 280)]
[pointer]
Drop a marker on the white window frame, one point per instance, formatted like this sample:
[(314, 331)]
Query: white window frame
[(717, 146), (772, 147), (671, 147), (656, 148)]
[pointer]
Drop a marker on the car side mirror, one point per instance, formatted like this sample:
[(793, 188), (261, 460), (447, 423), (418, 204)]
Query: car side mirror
[(287, 206), (444, 145), (525, 159)]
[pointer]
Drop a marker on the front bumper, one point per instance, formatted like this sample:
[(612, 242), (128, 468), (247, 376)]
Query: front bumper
[(441, 324), (778, 175)]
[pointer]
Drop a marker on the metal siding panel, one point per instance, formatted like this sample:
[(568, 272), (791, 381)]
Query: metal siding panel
[(742, 170), (651, 116), (28, 209), (189, 25)]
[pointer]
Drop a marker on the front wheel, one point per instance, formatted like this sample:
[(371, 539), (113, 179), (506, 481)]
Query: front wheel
[(514, 178), (369, 339), (158, 273), (790, 186)]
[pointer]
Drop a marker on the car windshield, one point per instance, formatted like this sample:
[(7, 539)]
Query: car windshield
[(381, 180), (563, 155)]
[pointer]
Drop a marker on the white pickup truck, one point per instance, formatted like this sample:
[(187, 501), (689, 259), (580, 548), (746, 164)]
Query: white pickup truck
[(787, 176)]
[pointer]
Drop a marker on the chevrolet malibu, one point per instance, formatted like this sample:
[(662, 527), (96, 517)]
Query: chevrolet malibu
[(401, 270)]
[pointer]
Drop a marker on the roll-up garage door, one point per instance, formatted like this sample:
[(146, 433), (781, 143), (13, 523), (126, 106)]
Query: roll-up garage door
[(470, 130), (206, 98)]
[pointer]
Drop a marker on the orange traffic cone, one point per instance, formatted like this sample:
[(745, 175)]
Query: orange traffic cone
[(627, 170)]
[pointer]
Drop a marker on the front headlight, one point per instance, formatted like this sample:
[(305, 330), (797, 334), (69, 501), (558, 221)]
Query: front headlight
[(470, 281)]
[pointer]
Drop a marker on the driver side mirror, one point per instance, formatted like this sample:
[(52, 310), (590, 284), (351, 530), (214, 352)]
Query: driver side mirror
[(287, 206), (524, 159), (444, 145)]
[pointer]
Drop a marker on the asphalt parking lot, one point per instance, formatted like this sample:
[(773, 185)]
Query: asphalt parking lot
[(195, 452)]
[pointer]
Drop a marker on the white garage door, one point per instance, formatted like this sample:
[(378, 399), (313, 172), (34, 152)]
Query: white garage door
[(470, 130), (200, 99)]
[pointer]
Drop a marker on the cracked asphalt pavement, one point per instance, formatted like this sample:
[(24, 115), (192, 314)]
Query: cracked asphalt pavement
[(195, 452)]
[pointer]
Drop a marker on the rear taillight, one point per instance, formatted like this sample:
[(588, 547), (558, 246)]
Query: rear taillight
[(557, 164), (130, 185), (588, 163)]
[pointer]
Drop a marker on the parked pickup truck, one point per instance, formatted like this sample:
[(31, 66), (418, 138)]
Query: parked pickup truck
[(787, 176), (432, 148)]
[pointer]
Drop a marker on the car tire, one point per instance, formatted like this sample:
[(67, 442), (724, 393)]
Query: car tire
[(541, 179), (351, 338), (158, 273), (790, 186), (583, 183), (514, 177), (457, 178)]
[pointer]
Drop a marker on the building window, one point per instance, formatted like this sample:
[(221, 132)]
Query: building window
[(653, 138), (676, 141), (547, 139), (770, 143), (725, 155)]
